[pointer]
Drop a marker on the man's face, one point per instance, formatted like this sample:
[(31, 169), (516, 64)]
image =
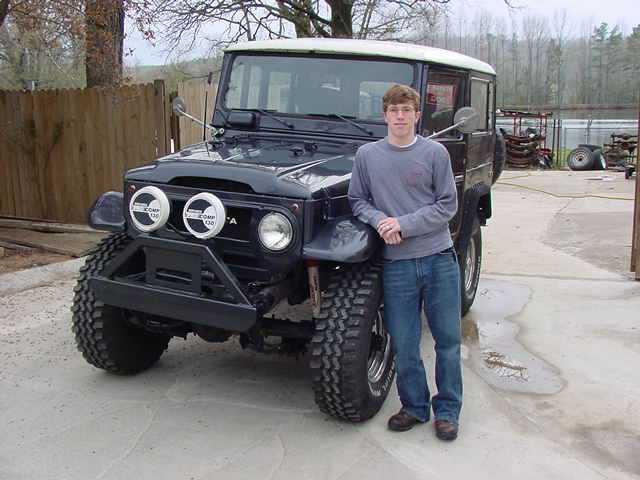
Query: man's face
[(401, 119)]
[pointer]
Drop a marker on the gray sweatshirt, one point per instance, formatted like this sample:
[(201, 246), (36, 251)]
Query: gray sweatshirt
[(414, 184)]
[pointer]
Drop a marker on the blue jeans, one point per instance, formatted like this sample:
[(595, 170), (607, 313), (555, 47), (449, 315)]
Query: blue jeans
[(432, 283)]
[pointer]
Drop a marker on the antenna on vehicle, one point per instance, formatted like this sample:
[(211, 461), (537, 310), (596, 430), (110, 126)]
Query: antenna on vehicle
[(206, 101)]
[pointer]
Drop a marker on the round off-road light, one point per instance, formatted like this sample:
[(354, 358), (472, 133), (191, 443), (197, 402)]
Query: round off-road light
[(275, 231), (204, 215), (149, 209)]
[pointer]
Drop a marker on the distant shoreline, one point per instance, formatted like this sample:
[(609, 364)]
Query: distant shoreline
[(577, 107)]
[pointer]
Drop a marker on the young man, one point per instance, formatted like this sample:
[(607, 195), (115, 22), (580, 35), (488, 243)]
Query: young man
[(403, 186)]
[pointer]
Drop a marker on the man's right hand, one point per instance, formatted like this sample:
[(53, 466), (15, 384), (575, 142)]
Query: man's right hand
[(389, 230)]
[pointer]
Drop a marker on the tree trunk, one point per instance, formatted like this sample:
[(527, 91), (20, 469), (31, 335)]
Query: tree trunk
[(105, 35), (341, 18)]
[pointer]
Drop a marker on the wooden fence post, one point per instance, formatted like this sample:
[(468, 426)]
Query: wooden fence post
[(162, 116)]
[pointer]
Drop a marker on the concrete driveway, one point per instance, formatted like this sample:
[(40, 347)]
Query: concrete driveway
[(552, 385)]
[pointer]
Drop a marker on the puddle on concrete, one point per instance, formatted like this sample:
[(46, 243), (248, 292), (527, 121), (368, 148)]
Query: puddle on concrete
[(494, 353)]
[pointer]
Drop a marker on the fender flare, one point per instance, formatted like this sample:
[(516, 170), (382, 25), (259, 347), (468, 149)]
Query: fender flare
[(106, 213), (342, 239), (477, 201)]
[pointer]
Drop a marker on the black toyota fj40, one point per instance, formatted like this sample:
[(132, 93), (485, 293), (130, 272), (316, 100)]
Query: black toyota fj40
[(211, 239)]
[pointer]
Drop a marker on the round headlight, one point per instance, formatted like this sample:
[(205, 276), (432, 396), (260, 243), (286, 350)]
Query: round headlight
[(275, 231), (149, 209)]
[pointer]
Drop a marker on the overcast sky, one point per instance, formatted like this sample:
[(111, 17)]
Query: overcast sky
[(581, 14), (625, 13)]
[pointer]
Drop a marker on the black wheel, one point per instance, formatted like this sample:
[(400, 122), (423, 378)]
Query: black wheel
[(499, 156), (352, 362), (580, 158), (470, 262), (104, 334)]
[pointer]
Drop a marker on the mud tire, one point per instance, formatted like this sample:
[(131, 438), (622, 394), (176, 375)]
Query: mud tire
[(104, 334), (470, 261), (344, 345)]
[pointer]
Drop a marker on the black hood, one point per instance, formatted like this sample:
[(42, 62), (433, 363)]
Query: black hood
[(270, 166)]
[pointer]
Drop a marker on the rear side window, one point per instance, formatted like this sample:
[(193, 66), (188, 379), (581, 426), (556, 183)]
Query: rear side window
[(480, 101), (445, 95)]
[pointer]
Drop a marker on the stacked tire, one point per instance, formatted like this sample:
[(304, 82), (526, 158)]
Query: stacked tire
[(586, 157)]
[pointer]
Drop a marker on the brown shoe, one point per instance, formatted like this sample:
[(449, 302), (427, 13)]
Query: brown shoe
[(446, 430), (402, 421)]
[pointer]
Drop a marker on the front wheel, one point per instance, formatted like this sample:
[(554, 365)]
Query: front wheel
[(106, 335), (352, 363), (470, 262)]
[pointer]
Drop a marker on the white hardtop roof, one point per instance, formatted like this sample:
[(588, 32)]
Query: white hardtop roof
[(378, 48)]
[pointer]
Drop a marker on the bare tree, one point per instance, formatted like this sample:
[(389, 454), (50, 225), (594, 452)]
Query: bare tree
[(183, 21), (38, 43)]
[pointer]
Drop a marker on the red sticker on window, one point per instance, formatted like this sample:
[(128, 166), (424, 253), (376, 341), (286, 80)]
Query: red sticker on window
[(441, 94)]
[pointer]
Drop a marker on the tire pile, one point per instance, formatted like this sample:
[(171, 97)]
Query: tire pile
[(620, 150), (586, 157), (525, 151), (615, 155)]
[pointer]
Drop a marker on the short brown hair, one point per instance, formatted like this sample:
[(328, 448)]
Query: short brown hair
[(401, 94)]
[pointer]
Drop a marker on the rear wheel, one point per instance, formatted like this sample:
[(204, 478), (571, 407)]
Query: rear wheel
[(106, 335), (352, 363), (470, 262)]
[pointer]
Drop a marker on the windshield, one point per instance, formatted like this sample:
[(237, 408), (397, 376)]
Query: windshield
[(314, 85)]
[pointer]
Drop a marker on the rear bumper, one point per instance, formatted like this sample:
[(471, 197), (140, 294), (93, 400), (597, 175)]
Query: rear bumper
[(172, 284)]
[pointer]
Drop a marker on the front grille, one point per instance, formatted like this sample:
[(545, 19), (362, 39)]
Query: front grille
[(236, 226)]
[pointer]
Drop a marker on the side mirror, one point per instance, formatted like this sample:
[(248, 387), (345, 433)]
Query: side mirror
[(466, 119), (178, 106)]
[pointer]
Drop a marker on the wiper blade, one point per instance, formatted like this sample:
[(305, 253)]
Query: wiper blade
[(268, 114), (344, 119)]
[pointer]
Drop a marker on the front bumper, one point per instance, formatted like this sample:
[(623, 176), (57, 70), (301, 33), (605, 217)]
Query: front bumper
[(178, 280)]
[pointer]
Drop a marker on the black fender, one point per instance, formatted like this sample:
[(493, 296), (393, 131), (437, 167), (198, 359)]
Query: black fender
[(106, 213), (342, 239), (477, 201)]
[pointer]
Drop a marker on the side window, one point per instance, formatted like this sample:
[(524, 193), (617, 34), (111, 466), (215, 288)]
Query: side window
[(445, 95), (480, 102)]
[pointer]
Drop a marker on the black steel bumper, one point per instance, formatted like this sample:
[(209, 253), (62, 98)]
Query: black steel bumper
[(172, 284)]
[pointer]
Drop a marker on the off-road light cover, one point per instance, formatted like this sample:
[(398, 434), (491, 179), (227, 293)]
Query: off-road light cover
[(275, 231), (204, 215), (149, 209)]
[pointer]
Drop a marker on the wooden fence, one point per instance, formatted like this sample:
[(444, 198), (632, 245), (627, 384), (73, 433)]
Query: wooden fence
[(195, 94), (60, 149)]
